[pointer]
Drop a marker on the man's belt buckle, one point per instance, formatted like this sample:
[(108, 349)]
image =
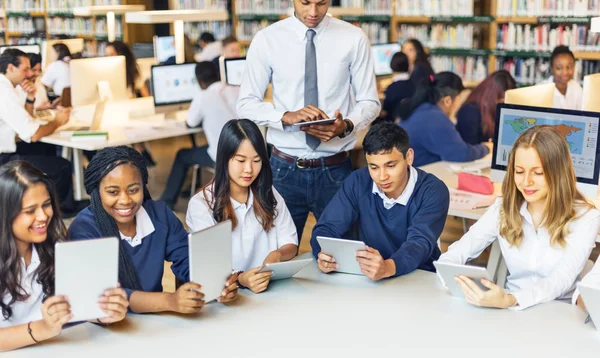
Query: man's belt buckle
[(298, 163)]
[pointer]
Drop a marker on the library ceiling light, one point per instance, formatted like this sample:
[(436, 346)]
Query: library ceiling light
[(110, 11)]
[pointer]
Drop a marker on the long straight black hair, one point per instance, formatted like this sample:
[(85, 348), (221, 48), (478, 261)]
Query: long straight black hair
[(15, 178), (437, 87), (132, 70), (232, 135)]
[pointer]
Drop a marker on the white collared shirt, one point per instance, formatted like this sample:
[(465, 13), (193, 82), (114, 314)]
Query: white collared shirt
[(143, 228), (401, 77), (210, 52), (539, 272), (573, 99), (346, 81), (30, 309), (41, 95), (213, 107), (250, 242), (389, 203), (57, 77), (14, 119)]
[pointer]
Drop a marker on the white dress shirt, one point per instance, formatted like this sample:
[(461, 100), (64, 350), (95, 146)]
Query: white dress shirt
[(389, 203), (573, 99), (539, 272), (250, 242), (57, 77), (143, 228), (14, 119), (41, 95), (30, 309), (346, 81), (213, 107), (210, 52)]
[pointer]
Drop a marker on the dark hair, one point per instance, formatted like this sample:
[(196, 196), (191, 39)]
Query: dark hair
[(101, 164), (399, 62), (11, 56), (207, 73), (207, 37), (77, 55), (15, 178), (560, 50), (34, 59), (383, 137), (486, 96), (133, 71), (443, 84), (229, 40), (62, 50), (232, 135), (422, 58)]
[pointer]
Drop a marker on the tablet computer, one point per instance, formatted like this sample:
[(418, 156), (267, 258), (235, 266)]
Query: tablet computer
[(84, 271), (449, 270), (591, 297), (296, 126), (210, 259), (286, 269), (344, 253)]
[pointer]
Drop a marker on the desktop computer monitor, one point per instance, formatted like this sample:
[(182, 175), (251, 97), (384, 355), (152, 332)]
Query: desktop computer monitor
[(143, 50), (164, 48), (536, 96), (232, 70), (24, 48), (174, 86), (74, 45), (382, 56), (579, 128), (591, 88), (89, 77)]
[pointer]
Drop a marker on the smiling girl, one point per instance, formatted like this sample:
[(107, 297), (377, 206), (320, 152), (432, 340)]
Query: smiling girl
[(545, 227)]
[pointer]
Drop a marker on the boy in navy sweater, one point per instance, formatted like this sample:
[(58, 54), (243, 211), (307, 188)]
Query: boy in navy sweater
[(398, 211)]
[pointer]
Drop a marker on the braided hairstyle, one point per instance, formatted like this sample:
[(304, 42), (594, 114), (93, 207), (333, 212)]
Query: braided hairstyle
[(101, 164)]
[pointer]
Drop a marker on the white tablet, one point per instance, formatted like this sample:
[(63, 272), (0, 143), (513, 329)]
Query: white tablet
[(344, 253), (84, 271), (210, 259), (296, 127), (591, 297), (285, 269), (449, 270)]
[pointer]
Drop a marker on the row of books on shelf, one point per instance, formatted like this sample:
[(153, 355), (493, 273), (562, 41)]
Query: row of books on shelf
[(439, 35), (528, 71), (434, 7), (544, 38), (54, 6), (377, 32), (370, 7), (25, 5), (66, 6), (548, 7), (75, 26), (246, 29), (469, 68), (26, 25), (262, 6), (220, 29), (200, 4), (102, 27)]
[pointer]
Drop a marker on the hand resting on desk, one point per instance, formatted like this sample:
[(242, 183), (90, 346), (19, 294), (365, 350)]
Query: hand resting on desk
[(495, 297)]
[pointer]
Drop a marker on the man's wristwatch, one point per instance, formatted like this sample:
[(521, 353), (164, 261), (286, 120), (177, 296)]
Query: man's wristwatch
[(29, 101), (348, 130)]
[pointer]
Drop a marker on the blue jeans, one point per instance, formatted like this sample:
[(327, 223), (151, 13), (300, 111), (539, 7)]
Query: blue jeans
[(309, 189)]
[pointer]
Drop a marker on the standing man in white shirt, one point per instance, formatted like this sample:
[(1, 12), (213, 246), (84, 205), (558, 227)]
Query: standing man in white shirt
[(16, 123), (320, 67)]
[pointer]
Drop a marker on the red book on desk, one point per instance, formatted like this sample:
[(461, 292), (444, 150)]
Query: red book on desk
[(475, 183)]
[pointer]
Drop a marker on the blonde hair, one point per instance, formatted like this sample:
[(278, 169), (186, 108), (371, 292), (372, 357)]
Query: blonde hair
[(563, 196)]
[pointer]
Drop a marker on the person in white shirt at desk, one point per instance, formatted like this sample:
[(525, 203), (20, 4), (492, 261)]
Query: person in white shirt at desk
[(568, 93), (16, 122), (320, 68), (58, 73), (211, 48), (545, 227), (242, 191), (211, 108)]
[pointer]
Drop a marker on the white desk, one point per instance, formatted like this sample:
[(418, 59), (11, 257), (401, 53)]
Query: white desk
[(338, 315)]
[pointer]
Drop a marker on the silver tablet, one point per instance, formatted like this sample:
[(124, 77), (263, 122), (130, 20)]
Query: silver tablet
[(344, 253), (327, 121), (591, 297), (449, 270), (210, 259), (286, 269), (84, 271)]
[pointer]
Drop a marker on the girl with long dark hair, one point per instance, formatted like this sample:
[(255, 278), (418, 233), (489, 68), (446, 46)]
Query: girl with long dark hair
[(242, 191), (30, 225), (418, 61), (135, 82), (150, 233), (58, 74)]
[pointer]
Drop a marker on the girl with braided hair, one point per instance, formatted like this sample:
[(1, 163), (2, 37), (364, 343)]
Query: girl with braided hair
[(28, 231), (150, 233)]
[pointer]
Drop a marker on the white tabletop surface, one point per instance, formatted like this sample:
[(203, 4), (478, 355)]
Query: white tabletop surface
[(338, 315)]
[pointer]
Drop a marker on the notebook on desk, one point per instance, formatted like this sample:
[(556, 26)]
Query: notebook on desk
[(96, 121)]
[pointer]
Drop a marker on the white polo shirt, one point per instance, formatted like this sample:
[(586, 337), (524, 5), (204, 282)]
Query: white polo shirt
[(57, 77), (250, 242), (30, 309), (14, 119)]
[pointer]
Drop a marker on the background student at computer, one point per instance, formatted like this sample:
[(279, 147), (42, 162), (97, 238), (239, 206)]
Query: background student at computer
[(58, 75)]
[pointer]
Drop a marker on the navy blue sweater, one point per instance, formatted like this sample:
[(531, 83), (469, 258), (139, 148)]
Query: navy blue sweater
[(394, 94), (168, 242), (406, 234), (433, 137), (468, 124)]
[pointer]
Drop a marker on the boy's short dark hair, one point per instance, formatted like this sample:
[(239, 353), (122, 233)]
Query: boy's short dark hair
[(207, 72), (383, 137), (207, 37), (399, 62), (11, 56)]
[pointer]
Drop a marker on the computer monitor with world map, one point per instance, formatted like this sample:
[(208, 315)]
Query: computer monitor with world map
[(579, 128)]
